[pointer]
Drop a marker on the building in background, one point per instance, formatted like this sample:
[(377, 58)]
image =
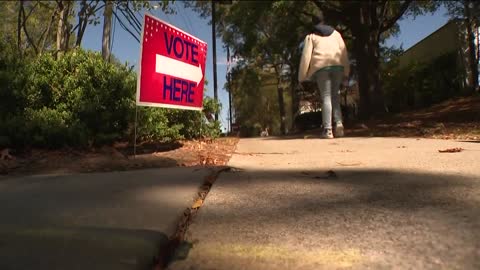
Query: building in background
[(450, 38), (440, 66)]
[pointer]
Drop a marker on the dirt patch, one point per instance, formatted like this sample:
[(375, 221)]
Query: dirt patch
[(119, 157), (457, 119)]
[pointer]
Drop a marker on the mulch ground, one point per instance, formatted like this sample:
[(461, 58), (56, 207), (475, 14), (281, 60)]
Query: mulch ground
[(118, 157), (456, 119)]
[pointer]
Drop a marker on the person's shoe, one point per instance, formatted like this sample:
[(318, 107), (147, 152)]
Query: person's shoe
[(338, 131), (327, 134)]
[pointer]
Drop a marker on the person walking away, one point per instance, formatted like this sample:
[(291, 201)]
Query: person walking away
[(325, 60)]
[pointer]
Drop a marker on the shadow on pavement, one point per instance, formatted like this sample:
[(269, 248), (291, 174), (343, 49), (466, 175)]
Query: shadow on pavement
[(54, 247), (97, 221), (403, 190), (393, 218)]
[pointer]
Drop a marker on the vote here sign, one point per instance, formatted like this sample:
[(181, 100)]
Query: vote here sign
[(172, 67)]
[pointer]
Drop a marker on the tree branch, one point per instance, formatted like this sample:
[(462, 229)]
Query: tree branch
[(388, 23), (44, 4), (308, 14), (383, 11), (326, 5), (331, 10), (40, 50), (26, 32), (383, 15), (19, 27), (89, 11), (77, 26), (31, 10), (81, 16)]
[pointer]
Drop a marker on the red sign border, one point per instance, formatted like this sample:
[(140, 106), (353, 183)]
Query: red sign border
[(139, 73)]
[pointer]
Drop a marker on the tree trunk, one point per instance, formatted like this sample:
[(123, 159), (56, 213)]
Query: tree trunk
[(19, 27), (82, 19), (371, 94), (294, 106), (293, 91), (472, 58), (477, 51), (367, 51), (107, 29), (67, 27), (62, 36), (61, 11), (281, 105)]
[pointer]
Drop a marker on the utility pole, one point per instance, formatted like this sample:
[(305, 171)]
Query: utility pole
[(214, 41), (229, 88)]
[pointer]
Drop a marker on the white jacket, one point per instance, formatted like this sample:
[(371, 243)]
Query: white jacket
[(322, 51)]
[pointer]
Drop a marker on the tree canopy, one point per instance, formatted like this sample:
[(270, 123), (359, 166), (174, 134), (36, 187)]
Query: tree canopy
[(267, 34)]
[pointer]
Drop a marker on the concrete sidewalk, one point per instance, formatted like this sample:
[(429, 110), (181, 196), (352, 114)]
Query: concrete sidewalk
[(350, 203), (119, 220)]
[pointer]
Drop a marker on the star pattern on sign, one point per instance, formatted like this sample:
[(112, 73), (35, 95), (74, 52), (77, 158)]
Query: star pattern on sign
[(147, 21), (152, 26)]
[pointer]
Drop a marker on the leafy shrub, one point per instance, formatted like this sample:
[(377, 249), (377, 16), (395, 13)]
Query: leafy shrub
[(166, 125), (80, 100), (12, 80), (195, 124), (154, 125), (422, 84), (46, 126)]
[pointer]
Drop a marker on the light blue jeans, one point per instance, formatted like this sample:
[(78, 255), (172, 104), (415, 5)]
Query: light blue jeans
[(329, 82)]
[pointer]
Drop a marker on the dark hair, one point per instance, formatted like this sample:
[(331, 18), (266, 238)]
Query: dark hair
[(319, 19)]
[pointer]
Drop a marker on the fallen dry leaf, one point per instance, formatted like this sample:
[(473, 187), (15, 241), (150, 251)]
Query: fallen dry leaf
[(348, 164), (213, 153), (331, 174), (5, 154), (451, 150), (197, 204), (210, 161)]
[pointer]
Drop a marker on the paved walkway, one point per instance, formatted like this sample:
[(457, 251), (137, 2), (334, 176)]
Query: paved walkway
[(118, 220), (350, 203)]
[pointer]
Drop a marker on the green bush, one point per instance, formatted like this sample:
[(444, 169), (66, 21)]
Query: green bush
[(195, 124), (159, 124), (422, 84), (80, 100), (47, 126), (76, 100), (12, 80), (155, 125)]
